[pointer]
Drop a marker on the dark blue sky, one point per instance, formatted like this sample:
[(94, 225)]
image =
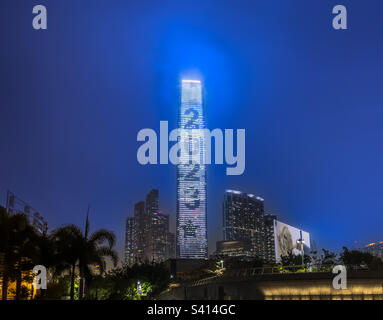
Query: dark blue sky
[(73, 98)]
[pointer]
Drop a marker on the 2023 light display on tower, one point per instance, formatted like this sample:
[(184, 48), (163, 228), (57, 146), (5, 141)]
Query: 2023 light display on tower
[(191, 176)]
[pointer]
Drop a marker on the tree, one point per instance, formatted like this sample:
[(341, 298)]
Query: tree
[(292, 260), (78, 249), (131, 283), (18, 243), (359, 259)]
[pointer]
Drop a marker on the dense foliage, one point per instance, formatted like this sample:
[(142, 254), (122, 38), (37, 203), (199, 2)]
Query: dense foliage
[(76, 264), (138, 282)]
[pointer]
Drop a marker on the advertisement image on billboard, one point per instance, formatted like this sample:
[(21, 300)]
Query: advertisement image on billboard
[(287, 240)]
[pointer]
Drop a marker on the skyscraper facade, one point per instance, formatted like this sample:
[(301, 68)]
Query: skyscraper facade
[(141, 225), (243, 220), (130, 249), (269, 238), (146, 234), (152, 202), (191, 176), (159, 227)]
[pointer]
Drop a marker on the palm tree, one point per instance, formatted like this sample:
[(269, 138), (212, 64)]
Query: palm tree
[(18, 245), (78, 249)]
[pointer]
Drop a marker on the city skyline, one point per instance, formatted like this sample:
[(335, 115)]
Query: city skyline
[(147, 234)]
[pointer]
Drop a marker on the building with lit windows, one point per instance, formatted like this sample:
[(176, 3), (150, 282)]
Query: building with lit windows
[(130, 233), (141, 231), (158, 230), (152, 202), (269, 238), (243, 220), (147, 237), (191, 233)]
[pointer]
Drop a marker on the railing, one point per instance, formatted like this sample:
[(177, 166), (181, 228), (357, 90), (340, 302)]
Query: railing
[(254, 272), (204, 281), (249, 272)]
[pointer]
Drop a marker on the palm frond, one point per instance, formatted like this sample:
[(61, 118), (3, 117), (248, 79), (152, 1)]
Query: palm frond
[(69, 229), (107, 252), (103, 235)]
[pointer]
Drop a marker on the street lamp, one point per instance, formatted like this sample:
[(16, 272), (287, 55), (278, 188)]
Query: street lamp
[(221, 264), (301, 242)]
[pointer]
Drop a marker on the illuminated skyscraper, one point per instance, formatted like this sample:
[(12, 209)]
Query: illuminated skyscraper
[(159, 228), (191, 176), (269, 239), (152, 202), (147, 232), (141, 232), (130, 244)]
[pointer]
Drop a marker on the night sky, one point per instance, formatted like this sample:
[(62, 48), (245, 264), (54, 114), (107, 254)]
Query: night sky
[(73, 98)]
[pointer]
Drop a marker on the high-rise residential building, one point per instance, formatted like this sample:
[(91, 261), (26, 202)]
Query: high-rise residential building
[(152, 202), (158, 227), (243, 219), (158, 230), (130, 243), (191, 176), (269, 238), (141, 232), (147, 232)]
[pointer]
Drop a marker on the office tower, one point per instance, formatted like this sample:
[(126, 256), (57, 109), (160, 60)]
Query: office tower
[(159, 227), (269, 238), (146, 232), (170, 245), (243, 219), (130, 248), (152, 202), (191, 175)]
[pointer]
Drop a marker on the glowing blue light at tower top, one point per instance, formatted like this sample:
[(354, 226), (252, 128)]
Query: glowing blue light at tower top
[(191, 177)]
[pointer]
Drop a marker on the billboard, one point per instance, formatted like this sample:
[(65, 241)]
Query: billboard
[(287, 240)]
